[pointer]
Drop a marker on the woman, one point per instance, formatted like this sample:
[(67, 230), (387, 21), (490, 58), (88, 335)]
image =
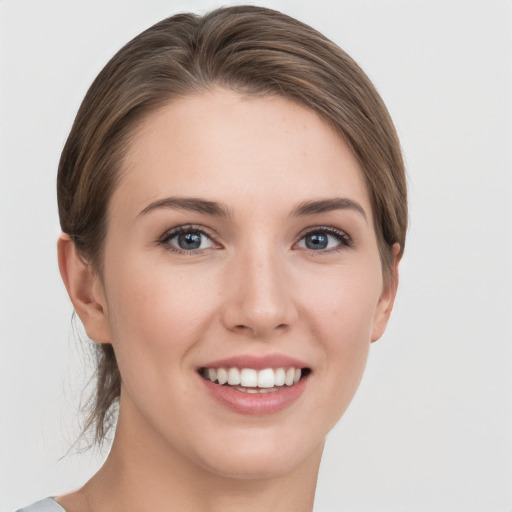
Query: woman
[(233, 206)]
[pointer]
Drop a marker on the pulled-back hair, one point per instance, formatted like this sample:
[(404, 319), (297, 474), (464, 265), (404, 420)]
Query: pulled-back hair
[(251, 50)]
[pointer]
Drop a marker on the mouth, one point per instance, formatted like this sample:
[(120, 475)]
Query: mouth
[(251, 380)]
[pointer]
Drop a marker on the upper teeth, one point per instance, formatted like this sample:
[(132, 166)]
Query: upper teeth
[(251, 378)]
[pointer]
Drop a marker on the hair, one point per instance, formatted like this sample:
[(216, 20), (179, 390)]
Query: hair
[(250, 50)]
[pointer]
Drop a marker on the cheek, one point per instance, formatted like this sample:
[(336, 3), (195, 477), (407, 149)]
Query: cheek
[(341, 305), (154, 305), (154, 319), (157, 319), (342, 316)]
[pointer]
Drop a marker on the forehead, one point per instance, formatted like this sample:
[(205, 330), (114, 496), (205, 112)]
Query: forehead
[(226, 146)]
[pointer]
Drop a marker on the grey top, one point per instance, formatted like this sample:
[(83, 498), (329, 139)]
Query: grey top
[(46, 505)]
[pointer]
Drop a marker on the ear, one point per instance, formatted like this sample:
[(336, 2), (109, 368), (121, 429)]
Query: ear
[(387, 298), (85, 290)]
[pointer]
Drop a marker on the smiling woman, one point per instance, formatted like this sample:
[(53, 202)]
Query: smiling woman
[(233, 206)]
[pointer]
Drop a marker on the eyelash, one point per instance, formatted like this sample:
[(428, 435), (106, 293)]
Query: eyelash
[(183, 230), (345, 241)]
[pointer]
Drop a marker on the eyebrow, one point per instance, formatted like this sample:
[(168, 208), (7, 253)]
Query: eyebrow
[(212, 208), (190, 204), (328, 205)]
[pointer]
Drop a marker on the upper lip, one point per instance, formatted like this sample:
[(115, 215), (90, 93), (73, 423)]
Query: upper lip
[(257, 362)]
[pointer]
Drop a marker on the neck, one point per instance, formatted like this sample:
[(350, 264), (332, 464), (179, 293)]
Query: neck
[(143, 472)]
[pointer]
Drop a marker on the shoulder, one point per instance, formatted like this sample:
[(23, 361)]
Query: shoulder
[(46, 505)]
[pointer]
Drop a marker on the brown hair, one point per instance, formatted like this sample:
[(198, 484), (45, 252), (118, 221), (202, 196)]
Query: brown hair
[(248, 49)]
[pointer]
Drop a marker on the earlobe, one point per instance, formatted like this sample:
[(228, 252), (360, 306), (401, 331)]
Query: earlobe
[(387, 298), (84, 289)]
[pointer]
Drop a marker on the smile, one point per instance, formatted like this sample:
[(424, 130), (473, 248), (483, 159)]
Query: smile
[(250, 380)]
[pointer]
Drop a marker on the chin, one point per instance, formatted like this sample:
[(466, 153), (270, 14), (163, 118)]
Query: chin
[(250, 456), (259, 468)]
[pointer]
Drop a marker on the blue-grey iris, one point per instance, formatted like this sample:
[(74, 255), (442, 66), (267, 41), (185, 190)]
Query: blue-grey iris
[(188, 241), (317, 241)]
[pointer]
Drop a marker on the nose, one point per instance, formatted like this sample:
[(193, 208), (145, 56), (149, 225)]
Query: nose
[(259, 296)]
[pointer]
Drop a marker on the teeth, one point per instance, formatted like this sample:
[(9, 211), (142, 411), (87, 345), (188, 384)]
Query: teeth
[(233, 377), (290, 375), (279, 377), (222, 376), (266, 378), (256, 390), (250, 380)]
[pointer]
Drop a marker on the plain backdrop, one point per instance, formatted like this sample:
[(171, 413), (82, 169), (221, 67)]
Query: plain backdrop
[(430, 429)]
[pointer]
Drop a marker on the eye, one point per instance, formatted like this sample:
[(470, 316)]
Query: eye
[(324, 239), (187, 239)]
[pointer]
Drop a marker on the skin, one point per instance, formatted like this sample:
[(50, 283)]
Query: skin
[(253, 288)]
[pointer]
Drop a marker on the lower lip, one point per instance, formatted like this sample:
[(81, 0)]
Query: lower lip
[(256, 403)]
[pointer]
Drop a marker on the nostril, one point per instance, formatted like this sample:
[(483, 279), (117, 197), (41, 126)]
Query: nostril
[(259, 331)]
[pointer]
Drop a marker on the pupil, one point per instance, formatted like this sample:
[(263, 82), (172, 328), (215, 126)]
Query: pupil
[(317, 241), (189, 241)]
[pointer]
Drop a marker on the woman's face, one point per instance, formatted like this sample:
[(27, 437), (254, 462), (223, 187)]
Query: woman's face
[(240, 236)]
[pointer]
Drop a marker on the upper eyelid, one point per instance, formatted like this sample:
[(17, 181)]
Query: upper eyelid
[(345, 241), (327, 229), (170, 234), (176, 230)]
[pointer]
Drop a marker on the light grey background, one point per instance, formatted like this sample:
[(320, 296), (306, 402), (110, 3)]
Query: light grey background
[(431, 427)]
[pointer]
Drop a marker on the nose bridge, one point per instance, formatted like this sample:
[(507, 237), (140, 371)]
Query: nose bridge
[(259, 300)]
